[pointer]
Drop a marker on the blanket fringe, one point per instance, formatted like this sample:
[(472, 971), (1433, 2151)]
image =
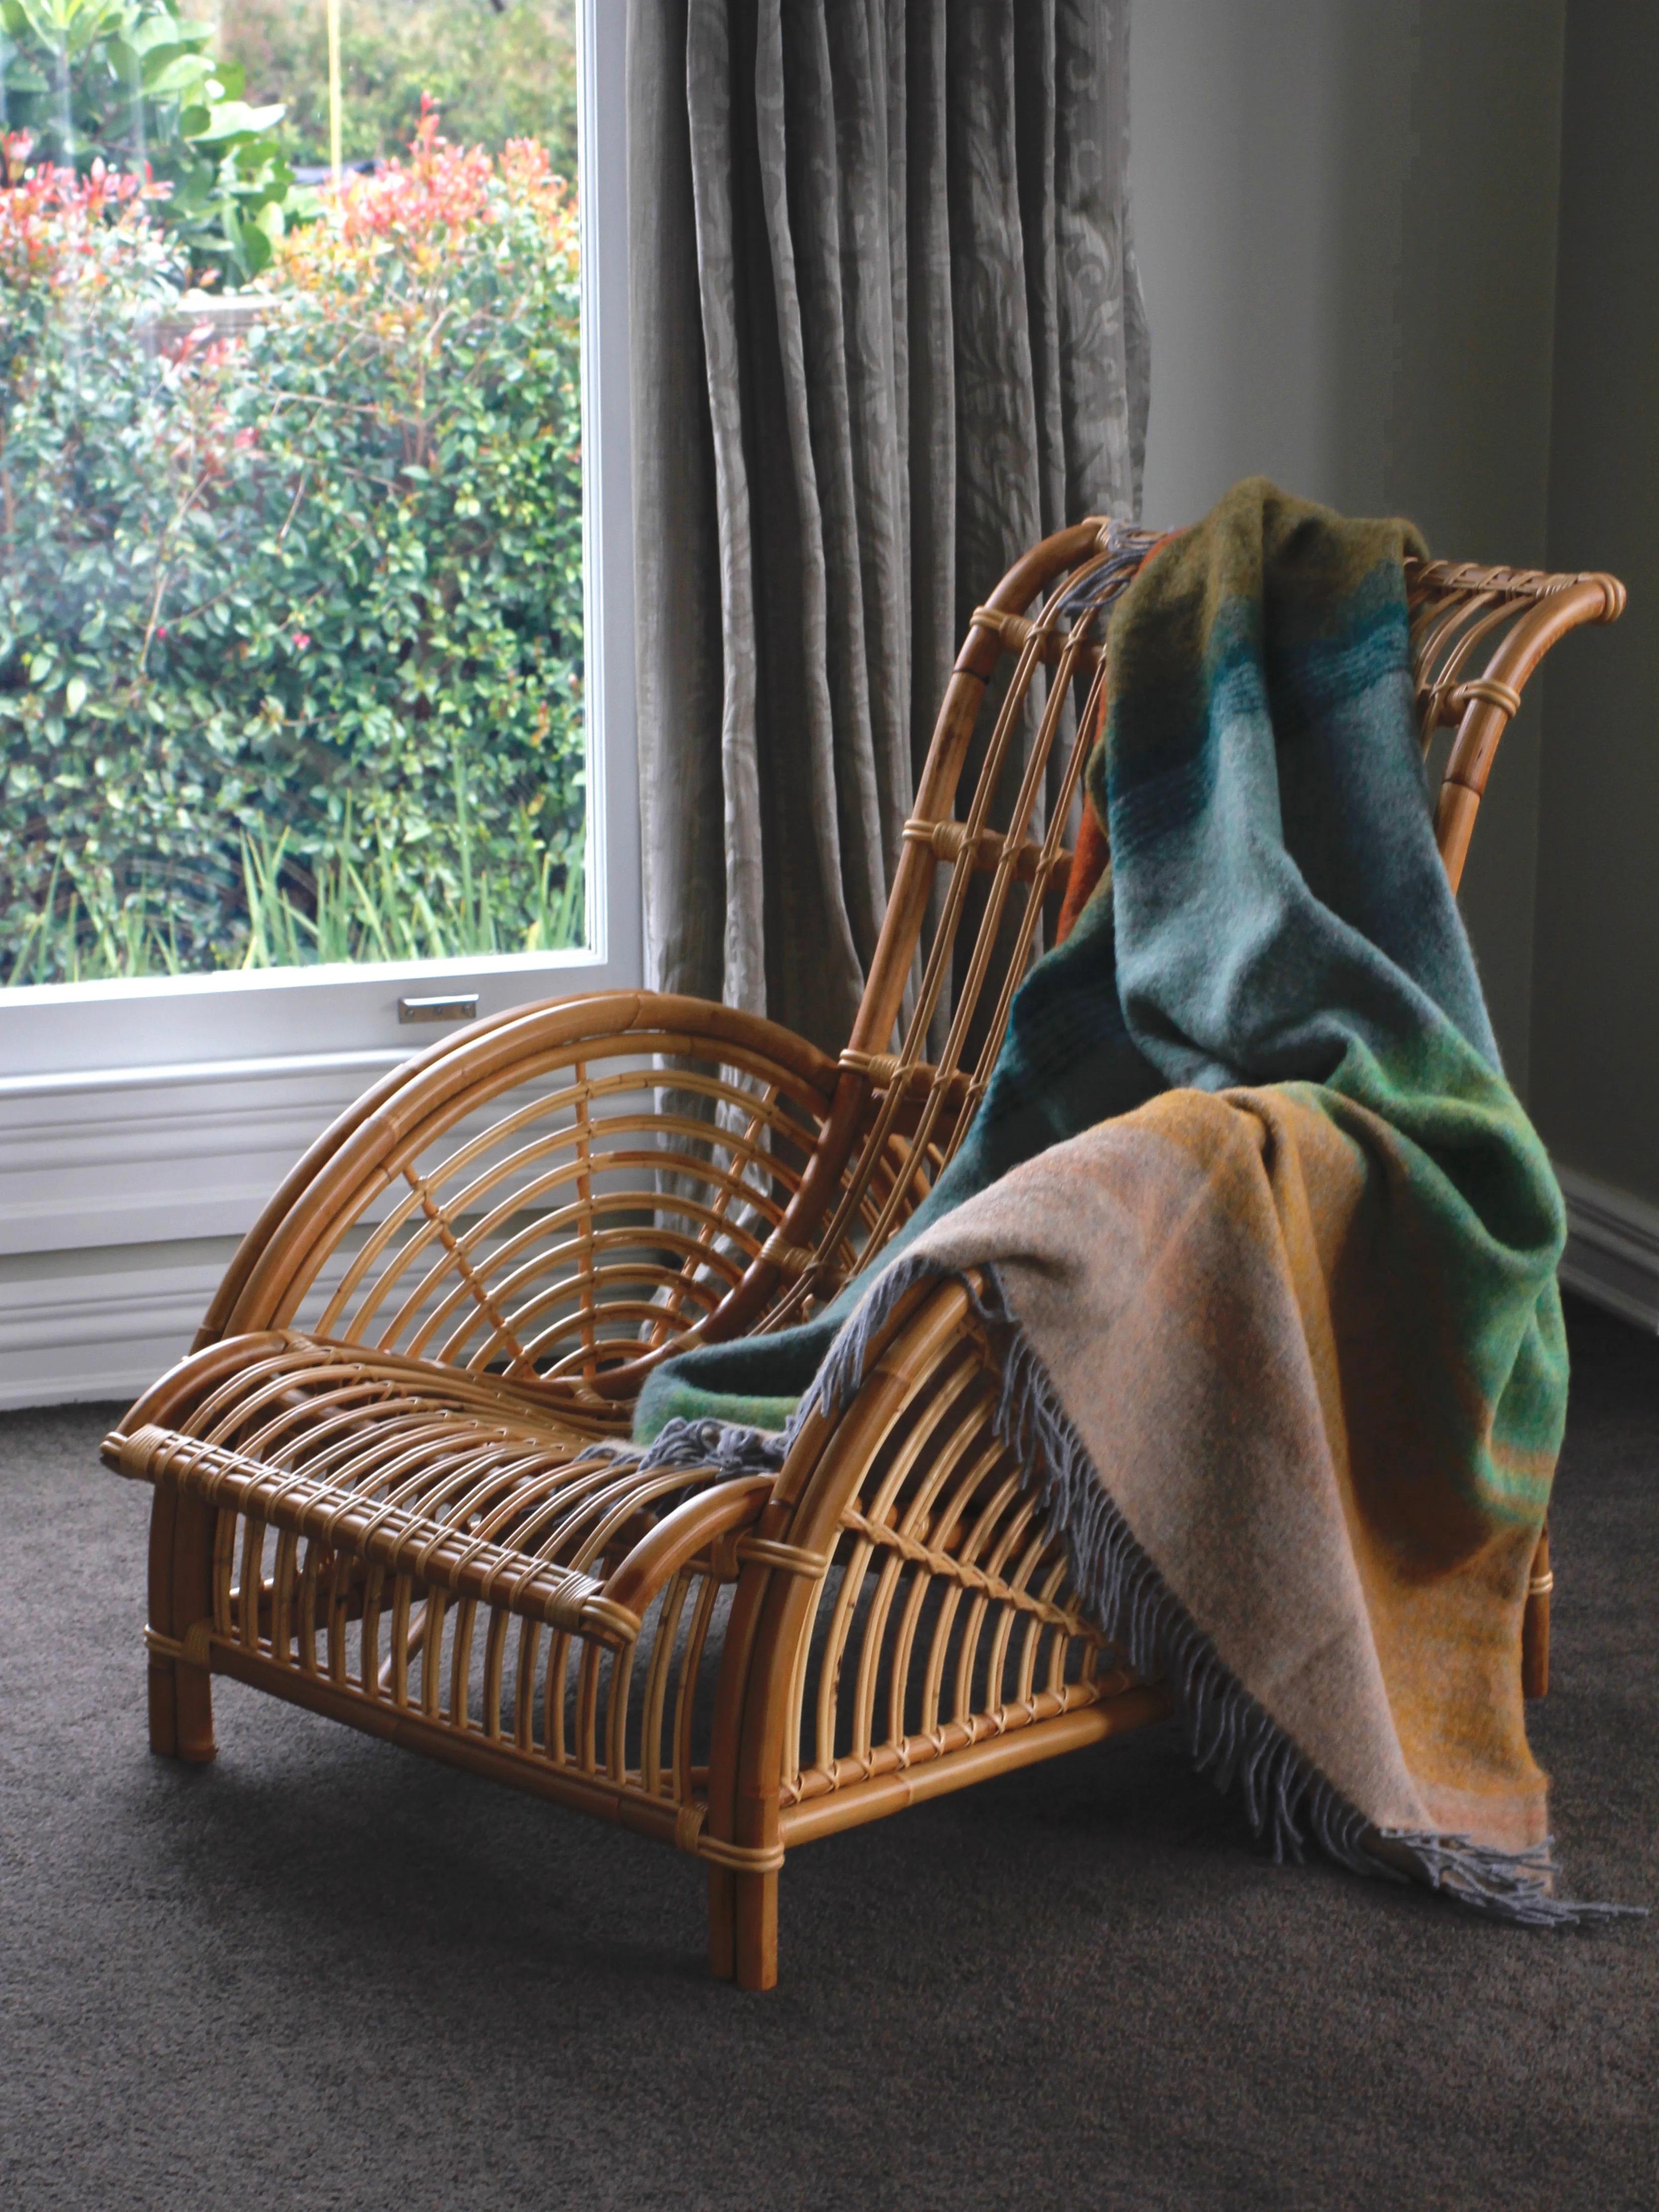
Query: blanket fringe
[(725, 1446), (1288, 1803)]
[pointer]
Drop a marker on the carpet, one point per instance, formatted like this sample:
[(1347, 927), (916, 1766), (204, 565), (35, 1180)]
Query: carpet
[(324, 1972)]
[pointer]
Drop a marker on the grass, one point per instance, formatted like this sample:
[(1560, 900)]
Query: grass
[(388, 904), (273, 907)]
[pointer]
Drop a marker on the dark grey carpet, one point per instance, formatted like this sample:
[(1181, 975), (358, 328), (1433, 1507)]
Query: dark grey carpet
[(324, 1974)]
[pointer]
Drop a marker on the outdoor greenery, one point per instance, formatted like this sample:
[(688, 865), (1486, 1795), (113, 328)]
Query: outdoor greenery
[(134, 84), (498, 68), (129, 85), (290, 620)]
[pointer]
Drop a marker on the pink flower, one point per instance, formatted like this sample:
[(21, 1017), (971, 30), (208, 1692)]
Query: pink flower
[(302, 640), (246, 437), (161, 630)]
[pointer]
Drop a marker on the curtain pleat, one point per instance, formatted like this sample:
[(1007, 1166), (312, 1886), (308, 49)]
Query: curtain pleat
[(869, 242), (676, 547), (930, 335)]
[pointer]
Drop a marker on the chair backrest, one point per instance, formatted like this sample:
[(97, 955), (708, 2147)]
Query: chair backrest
[(968, 900), (569, 1194)]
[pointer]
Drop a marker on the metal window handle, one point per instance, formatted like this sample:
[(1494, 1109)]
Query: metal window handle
[(458, 1007)]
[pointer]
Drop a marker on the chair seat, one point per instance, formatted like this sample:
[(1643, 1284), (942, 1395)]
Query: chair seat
[(467, 1483)]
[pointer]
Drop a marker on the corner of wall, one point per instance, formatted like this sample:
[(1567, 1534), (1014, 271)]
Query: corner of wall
[(1595, 971)]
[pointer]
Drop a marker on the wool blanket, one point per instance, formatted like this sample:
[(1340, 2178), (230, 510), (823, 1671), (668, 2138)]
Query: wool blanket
[(1271, 1243)]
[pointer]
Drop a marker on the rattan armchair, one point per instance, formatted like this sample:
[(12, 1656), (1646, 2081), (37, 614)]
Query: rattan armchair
[(386, 1481)]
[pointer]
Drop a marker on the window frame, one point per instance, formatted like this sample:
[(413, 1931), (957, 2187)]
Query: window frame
[(140, 1113)]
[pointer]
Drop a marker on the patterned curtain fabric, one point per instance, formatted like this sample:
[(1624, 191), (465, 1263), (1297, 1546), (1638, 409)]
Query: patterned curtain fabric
[(886, 331)]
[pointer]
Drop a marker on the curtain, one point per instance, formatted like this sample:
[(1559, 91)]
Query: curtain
[(886, 330)]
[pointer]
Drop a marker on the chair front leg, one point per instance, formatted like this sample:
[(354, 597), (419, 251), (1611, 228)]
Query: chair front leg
[(181, 1537)]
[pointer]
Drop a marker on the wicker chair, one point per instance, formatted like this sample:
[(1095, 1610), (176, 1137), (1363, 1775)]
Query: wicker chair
[(385, 1485)]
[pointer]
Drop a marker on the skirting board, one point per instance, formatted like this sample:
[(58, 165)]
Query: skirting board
[(94, 1325), (106, 1328), (1613, 1249), (79, 1326), (122, 1195)]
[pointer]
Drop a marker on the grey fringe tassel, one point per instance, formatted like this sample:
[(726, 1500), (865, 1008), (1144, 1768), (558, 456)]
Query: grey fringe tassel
[(726, 1446), (1286, 1800), (722, 1450)]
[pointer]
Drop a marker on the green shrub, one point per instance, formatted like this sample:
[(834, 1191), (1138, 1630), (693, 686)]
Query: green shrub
[(130, 84), (498, 68), (294, 616)]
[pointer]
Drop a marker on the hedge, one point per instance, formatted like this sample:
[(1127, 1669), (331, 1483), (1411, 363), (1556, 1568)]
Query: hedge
[(290, 623)]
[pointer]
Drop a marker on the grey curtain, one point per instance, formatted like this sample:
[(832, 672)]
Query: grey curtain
[(886, 331)]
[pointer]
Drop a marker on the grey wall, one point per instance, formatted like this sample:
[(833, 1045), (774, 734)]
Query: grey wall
[(1346, 217), (1596, 1004)]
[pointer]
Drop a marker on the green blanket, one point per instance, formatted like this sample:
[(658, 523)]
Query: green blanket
[(1272, 1240)]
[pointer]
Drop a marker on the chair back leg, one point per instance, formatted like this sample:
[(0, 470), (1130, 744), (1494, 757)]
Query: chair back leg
[(1535, 1623)]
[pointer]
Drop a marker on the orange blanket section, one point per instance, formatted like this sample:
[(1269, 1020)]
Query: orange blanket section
[(1089, 861)]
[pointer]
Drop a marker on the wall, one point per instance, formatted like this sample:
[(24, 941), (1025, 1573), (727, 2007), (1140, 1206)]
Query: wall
[(1595, 1004), (1346, 217)]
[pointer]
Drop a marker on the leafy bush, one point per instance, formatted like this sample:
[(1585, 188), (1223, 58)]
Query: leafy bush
[(498, 68), (129, 84), (291, 620)]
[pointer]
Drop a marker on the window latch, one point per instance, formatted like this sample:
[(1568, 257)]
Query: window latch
[(457, 1006)]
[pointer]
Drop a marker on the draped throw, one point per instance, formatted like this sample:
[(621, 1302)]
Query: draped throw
[(1268, 1245), (886, 330)]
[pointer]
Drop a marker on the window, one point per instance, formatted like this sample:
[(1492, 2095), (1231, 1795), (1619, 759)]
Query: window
[(145, 1115)]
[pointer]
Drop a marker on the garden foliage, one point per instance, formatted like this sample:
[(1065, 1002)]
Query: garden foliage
[(290, 621), (130, 84), (498, 68)]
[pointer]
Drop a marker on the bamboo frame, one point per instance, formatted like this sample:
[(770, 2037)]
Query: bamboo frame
[(386, 1481)]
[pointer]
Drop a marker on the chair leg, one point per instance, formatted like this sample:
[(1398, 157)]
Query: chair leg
[(755, 1917), (1535, 1623), (181, 1532), (193, 1738), (181, 1712), (722, 1923)]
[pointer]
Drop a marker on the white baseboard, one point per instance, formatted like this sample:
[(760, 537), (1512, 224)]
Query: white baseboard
[(1613, 1249), (79, 1326), (122, 1195), (106, 1328), (122, 1157)]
